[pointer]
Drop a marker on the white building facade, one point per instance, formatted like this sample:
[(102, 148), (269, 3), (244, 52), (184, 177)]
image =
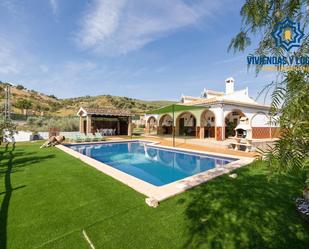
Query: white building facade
[(220, 116)]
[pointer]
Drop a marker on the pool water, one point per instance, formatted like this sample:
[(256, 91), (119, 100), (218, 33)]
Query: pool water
[(154, 165)]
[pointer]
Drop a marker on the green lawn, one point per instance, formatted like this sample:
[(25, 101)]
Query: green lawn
[(48, 197)]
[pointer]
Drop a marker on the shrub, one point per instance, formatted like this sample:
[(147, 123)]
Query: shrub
[(52, 96), (20, 87), (31, 121), (43, 123)]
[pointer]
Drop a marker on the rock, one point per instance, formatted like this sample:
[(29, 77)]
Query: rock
[(53, 140), (233, 175), (151, 202), (60, 139)]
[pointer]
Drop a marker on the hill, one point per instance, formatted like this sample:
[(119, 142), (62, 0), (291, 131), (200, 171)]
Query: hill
[(36, 103)]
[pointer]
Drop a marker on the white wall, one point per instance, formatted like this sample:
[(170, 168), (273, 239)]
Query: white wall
[(21, 136), (218, 115), (24, 136)]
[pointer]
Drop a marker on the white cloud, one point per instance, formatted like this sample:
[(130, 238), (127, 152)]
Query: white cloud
[(54, 6), (64, 79), (120, 26)]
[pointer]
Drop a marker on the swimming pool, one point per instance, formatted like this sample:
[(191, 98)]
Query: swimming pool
[(157, 166)]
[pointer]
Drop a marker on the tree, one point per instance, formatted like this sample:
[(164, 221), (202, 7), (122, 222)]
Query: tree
[(289, 95), (52, 96), (261, 16), (7, 129), (291, 151), (24, 105), (20, 87)]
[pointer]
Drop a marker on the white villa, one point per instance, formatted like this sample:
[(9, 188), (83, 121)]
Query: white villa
[(222, 113)]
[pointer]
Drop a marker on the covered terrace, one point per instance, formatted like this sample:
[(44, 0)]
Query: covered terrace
[(94, 119), (183, 120)]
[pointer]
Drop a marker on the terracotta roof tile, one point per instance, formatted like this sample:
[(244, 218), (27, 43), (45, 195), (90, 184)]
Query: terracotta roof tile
[(108, 111)]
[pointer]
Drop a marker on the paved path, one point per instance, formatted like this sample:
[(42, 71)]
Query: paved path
[(208, 148)]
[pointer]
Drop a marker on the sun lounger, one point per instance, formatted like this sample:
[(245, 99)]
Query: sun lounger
[(93, 138), (86, 138), (78, 139), (99, 136)]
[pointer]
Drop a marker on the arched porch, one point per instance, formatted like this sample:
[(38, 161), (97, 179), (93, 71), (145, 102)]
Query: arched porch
[(231, 121), (151, 125), (186, 124), (208, 125), (165, 125)]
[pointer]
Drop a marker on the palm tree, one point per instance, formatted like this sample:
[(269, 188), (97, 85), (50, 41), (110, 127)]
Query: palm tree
[(290, 95)]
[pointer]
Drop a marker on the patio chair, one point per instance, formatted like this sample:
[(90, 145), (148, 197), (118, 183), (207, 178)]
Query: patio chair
[(104, 132)]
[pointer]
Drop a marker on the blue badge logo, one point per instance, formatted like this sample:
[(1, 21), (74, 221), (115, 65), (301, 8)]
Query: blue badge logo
[(287, 34)]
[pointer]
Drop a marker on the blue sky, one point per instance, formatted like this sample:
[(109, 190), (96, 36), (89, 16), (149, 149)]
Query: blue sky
[(147, 49)]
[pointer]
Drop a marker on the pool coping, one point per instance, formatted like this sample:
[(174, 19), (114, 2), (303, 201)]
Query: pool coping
[(159, 193)]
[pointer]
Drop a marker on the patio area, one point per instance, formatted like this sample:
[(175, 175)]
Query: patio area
[(211, 145)]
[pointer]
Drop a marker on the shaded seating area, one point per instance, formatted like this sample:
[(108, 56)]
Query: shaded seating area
[(105, 121), (107, 132)]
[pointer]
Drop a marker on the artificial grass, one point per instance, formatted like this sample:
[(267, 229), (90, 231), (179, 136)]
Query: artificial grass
[(48, 197)]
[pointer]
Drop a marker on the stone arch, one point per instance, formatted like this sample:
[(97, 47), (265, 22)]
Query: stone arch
[(151, 125), (258, 113), (165, 125), (208, 124), (231, 120), (186, 124)]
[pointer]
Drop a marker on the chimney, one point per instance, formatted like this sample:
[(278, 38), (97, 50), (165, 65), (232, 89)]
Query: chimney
[(229, 85)]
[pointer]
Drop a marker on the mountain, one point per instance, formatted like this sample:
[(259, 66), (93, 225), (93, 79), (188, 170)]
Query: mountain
[(38, 103)]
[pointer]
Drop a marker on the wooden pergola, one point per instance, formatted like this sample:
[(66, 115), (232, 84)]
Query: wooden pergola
[(94, 119)]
